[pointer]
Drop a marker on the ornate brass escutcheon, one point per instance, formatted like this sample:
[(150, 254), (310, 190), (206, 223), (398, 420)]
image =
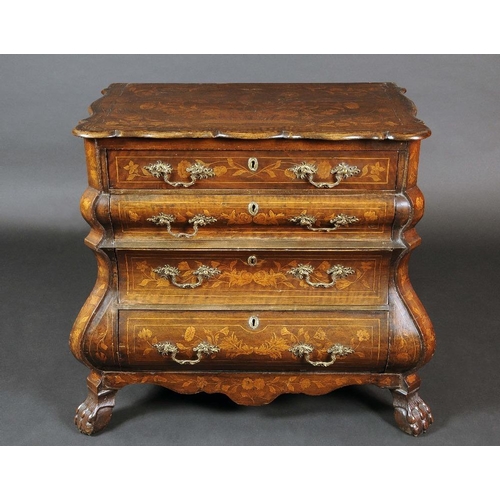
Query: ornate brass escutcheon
[(335, 351), (336, 272), (163, 170), (340, 220), (202, 273), (199, 220), (307, 171), (170, 349)]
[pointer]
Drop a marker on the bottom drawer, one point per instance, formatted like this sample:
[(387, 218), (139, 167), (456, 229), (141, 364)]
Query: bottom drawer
[(253, 341)]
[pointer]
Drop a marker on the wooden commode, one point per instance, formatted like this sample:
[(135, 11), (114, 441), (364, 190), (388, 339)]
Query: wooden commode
[(252, 240)]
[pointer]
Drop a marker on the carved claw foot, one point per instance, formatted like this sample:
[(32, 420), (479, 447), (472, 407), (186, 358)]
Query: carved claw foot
[(95, 412), (412, 415)]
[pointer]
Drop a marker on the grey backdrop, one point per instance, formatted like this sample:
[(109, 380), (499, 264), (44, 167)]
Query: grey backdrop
[(46, 272)]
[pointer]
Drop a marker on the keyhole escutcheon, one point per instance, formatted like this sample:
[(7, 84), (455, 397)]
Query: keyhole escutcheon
[(252, 260), (253, 322), (253, 208), (253, 164)]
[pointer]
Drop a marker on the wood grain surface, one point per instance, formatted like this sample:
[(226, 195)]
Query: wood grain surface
[(254, 111), (269, 249), (269, 281), (127, 168), (131, 215), (265, 347)]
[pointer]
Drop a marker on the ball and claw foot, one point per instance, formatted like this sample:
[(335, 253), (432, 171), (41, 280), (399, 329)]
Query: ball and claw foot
[(411, 413), (95, 412)]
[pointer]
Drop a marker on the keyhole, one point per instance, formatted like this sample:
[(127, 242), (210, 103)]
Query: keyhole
[(253, 208), (253, 164), (252, 260), (253, 322)]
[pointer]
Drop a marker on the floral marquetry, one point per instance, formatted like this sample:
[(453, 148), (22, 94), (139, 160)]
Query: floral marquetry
[(344, 111), (253, 240), (267, 344), (180, 169), (230, 277), (203, 216)]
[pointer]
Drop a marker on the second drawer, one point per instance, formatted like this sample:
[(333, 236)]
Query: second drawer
[(287, 278), (206, 216)]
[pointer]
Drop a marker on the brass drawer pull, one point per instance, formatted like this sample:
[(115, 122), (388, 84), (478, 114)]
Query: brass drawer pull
[(307, 171), (336, 351), (163, 170), (338, 221), (336, 272), (170, 349), (202, 273), (167, 219)]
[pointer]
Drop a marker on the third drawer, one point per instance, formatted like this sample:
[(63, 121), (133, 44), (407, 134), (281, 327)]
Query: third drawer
[(293, 278)]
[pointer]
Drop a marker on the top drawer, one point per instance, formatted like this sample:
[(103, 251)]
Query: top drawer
[(338, 170)]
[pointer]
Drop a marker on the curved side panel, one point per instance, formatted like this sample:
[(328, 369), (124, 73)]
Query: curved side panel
[(92, 336), (418, 314), (410, 298), (413, 339)]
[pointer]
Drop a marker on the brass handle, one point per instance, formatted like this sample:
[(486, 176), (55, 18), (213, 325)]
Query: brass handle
[(305, 350), (163, 170), (307, 171), (338, 221), (169, 349), (167, 219), (336, 272), (170, 273)]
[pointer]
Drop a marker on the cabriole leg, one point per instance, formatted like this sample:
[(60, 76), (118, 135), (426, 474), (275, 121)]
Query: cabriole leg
[(95, 412), (412, 415)]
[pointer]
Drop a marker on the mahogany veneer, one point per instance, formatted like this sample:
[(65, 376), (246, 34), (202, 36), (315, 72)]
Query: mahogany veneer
[(253, 240)]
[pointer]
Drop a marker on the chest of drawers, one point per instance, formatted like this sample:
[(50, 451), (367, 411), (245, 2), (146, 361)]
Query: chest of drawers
[(252, 240)]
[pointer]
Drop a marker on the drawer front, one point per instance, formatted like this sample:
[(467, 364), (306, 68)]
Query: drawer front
[(338, 170), (295, 341), (254, 215), (221, 278)]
